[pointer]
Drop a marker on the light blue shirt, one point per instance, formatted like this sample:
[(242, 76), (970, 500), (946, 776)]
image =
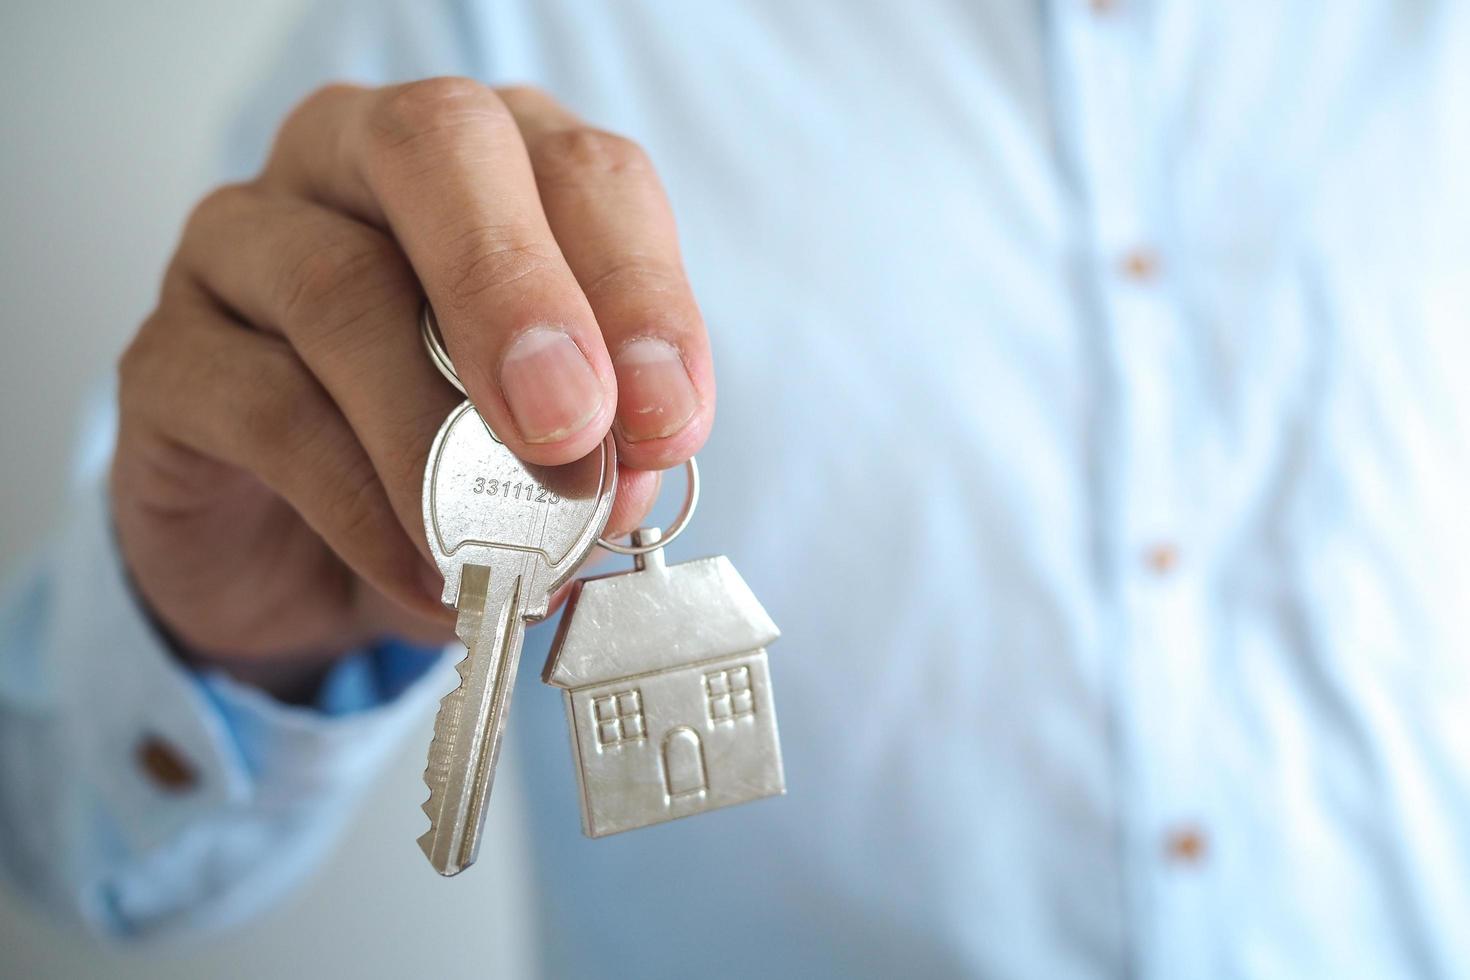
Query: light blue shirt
[(1095, 423)]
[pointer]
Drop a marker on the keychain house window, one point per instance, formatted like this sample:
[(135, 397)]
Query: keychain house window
[(619, 718), (729, 694)]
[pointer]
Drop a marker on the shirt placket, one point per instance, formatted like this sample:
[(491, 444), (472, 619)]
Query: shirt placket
[(1151, 566)]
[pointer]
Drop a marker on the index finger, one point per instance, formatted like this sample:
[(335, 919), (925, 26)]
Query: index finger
[(442, 165)]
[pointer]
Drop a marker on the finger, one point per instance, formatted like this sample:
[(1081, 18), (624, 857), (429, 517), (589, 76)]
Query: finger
[(607, 209), (637, 493), (245, 399), (441, 164), (344, 296)]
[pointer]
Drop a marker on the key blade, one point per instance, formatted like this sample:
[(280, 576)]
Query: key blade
[(471, 719)]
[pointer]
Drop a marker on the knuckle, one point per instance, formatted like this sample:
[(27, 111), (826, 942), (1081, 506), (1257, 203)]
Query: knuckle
[(446, 90), (326, 95), (437, 107), (522, 94), (636, 277), (214, 206), (137, 366), (357, 500), (490, 261), (321, 101), (280, 410), (577, 154), (319, 282)]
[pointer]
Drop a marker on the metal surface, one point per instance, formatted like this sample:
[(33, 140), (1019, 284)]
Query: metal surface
[(691, 501), (434, 344), (668, 691), (506, 535)]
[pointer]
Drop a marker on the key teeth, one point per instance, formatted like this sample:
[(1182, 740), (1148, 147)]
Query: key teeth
[(431, 805), (459, 668), (426, 839)]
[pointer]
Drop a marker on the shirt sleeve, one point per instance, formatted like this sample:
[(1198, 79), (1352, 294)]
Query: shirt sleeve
[(141, 798)]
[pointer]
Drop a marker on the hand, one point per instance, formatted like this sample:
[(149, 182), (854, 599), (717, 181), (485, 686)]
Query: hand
[(277, 408)]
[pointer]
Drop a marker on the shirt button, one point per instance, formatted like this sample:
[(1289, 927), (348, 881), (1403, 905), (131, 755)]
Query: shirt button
[(1186, 846), (1141, 265), (164, 765), (1102, 6), (1162, 558)]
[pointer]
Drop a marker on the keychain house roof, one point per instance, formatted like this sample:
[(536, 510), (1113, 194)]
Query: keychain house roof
[(668, 692)]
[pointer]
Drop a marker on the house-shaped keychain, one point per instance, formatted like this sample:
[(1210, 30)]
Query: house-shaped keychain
[(668, 695)]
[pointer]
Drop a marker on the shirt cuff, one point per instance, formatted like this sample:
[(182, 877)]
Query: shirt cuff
[(366, 703), (123, 689)]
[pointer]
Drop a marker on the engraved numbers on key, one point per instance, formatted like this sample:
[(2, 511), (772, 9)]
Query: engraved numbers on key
[(502, 555), (465, 521)]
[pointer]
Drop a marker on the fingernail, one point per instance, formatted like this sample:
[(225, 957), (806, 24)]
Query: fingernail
[(551, 389), (655, 396)]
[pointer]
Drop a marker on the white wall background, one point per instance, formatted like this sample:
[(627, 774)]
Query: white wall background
[(112, 115)]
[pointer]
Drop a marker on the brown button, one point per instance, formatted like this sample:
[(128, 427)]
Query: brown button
[(1141, 265), (1162, 558), (1102, 6), (164, 765), (1186, 845)]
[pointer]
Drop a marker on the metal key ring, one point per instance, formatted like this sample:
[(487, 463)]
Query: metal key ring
[(434, 344), (691, 501)]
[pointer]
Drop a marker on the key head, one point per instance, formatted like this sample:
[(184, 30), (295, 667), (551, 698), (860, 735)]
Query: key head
[(484, 506)]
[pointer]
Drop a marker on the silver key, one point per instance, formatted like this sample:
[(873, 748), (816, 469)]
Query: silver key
[(506, 535), (664, 673)]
